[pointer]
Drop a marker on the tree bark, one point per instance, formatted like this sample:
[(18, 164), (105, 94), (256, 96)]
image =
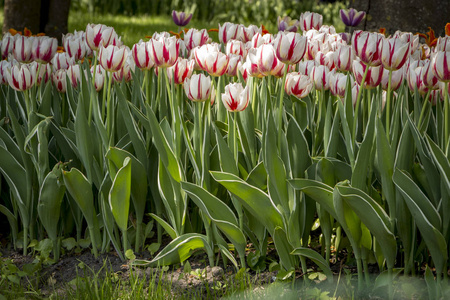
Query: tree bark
[(19, 14), (58, 15), (405, 15)]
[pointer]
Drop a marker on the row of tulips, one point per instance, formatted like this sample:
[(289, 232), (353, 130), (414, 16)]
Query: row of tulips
[(279, 130)]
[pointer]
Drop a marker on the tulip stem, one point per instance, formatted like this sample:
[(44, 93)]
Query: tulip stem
[(280, 111), (358, 102), (388, 106), (445, 148), (109, 111)]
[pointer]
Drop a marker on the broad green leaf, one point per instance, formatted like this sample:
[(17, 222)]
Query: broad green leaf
[(284, 249), (426, 218), (383, 279), (258, 177), (83, 133), (230, 256), (298, 150), (170, 231), (12, 221), (316, 258), (119, 195), (225, 155), (442, 162), (14, 174), (255, 200), (432, 286), (50, 198), (374, 217)]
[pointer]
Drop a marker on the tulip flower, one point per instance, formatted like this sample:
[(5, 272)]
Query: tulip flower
[(351, 17), (75, 46), (194, 38), (396, 79), (164, 51), (313, 47), (229, 31), (213, 62), (345, 36), (236, 98), (259, 39), (443, 44), (74, 75), (320, 75), (429, 79), (59, 80), (100, 35), (125, 73), (22, 48), (62, 61), (180, 18), (441, 65), (394, 53), (266, 58), (141, 55), (45, 72), (298, 85), (112, 58), (373, 77), (326, 59), (408, 37), (181, 70), (4, 71), (22, 77), (100, 75), (310, 20), (250, 66), (233, 64), (414, 78), (367, 46), (44, 48), (247, 33), (236, 47), (343, 58), (287, 24), (305, 67), (198, 88), (338, 84), (7, 44), (290, 47)]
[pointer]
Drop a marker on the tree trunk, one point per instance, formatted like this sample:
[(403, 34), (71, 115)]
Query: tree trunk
[(58, 15), (19, 14), (405, 15)]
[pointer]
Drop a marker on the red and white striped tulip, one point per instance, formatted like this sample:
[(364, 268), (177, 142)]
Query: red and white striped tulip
[(367, 46), (164, 51), (141, 55), (44, 48), (373, 77), (233, 64), (213, 62), (236, 98), (229, 31), (343, 58), (441, 65), (98, 35), (266, 59), (181, 70), (326, 59), (112, 58), (62, 60), (310, 20), (249, 32), (442, 44), (74, 75), (22, 77), (305, 67), (290, 47), (75, 45), (126, 72), (429, 79), (298, 85), (59, 80), (396, 80), (250, 66), (22, 50), (7, 43), (338, 84), (45, 72), (259, 39), (100, 76), (236, 47), (198, 88), (320, 75), (414, 77), (195, 38), (394, 53), (4, 71)]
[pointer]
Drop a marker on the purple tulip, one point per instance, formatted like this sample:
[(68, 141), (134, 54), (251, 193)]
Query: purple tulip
[(351, 17), (180, 18)]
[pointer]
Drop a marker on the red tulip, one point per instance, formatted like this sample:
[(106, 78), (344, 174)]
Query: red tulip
[(373, 77), (367, 46), (181, 70), (394, 53), (236, 98), (164, 51), (290, 47), (298, 85)]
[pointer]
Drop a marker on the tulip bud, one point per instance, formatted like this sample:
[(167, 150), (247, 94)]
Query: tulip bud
[(62, 61), (367, 46), (75, 45), (180, 18), (290, 47), (100, 76), (164, 51), (22, 77), (141, 55), (266, 58), (298, 85), (194, 38), (310, 20), (236, 98), (351, 17), (229, 31), (44, 48), (181, 70), (100, 35), (321, 77), (441, 65), (396, 80), (250, 67), (213, 62), (394, 53), (198, 87), (338, 84), (22, 48), (373, 77), (59, 80), (443, 44), (112, 58)]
